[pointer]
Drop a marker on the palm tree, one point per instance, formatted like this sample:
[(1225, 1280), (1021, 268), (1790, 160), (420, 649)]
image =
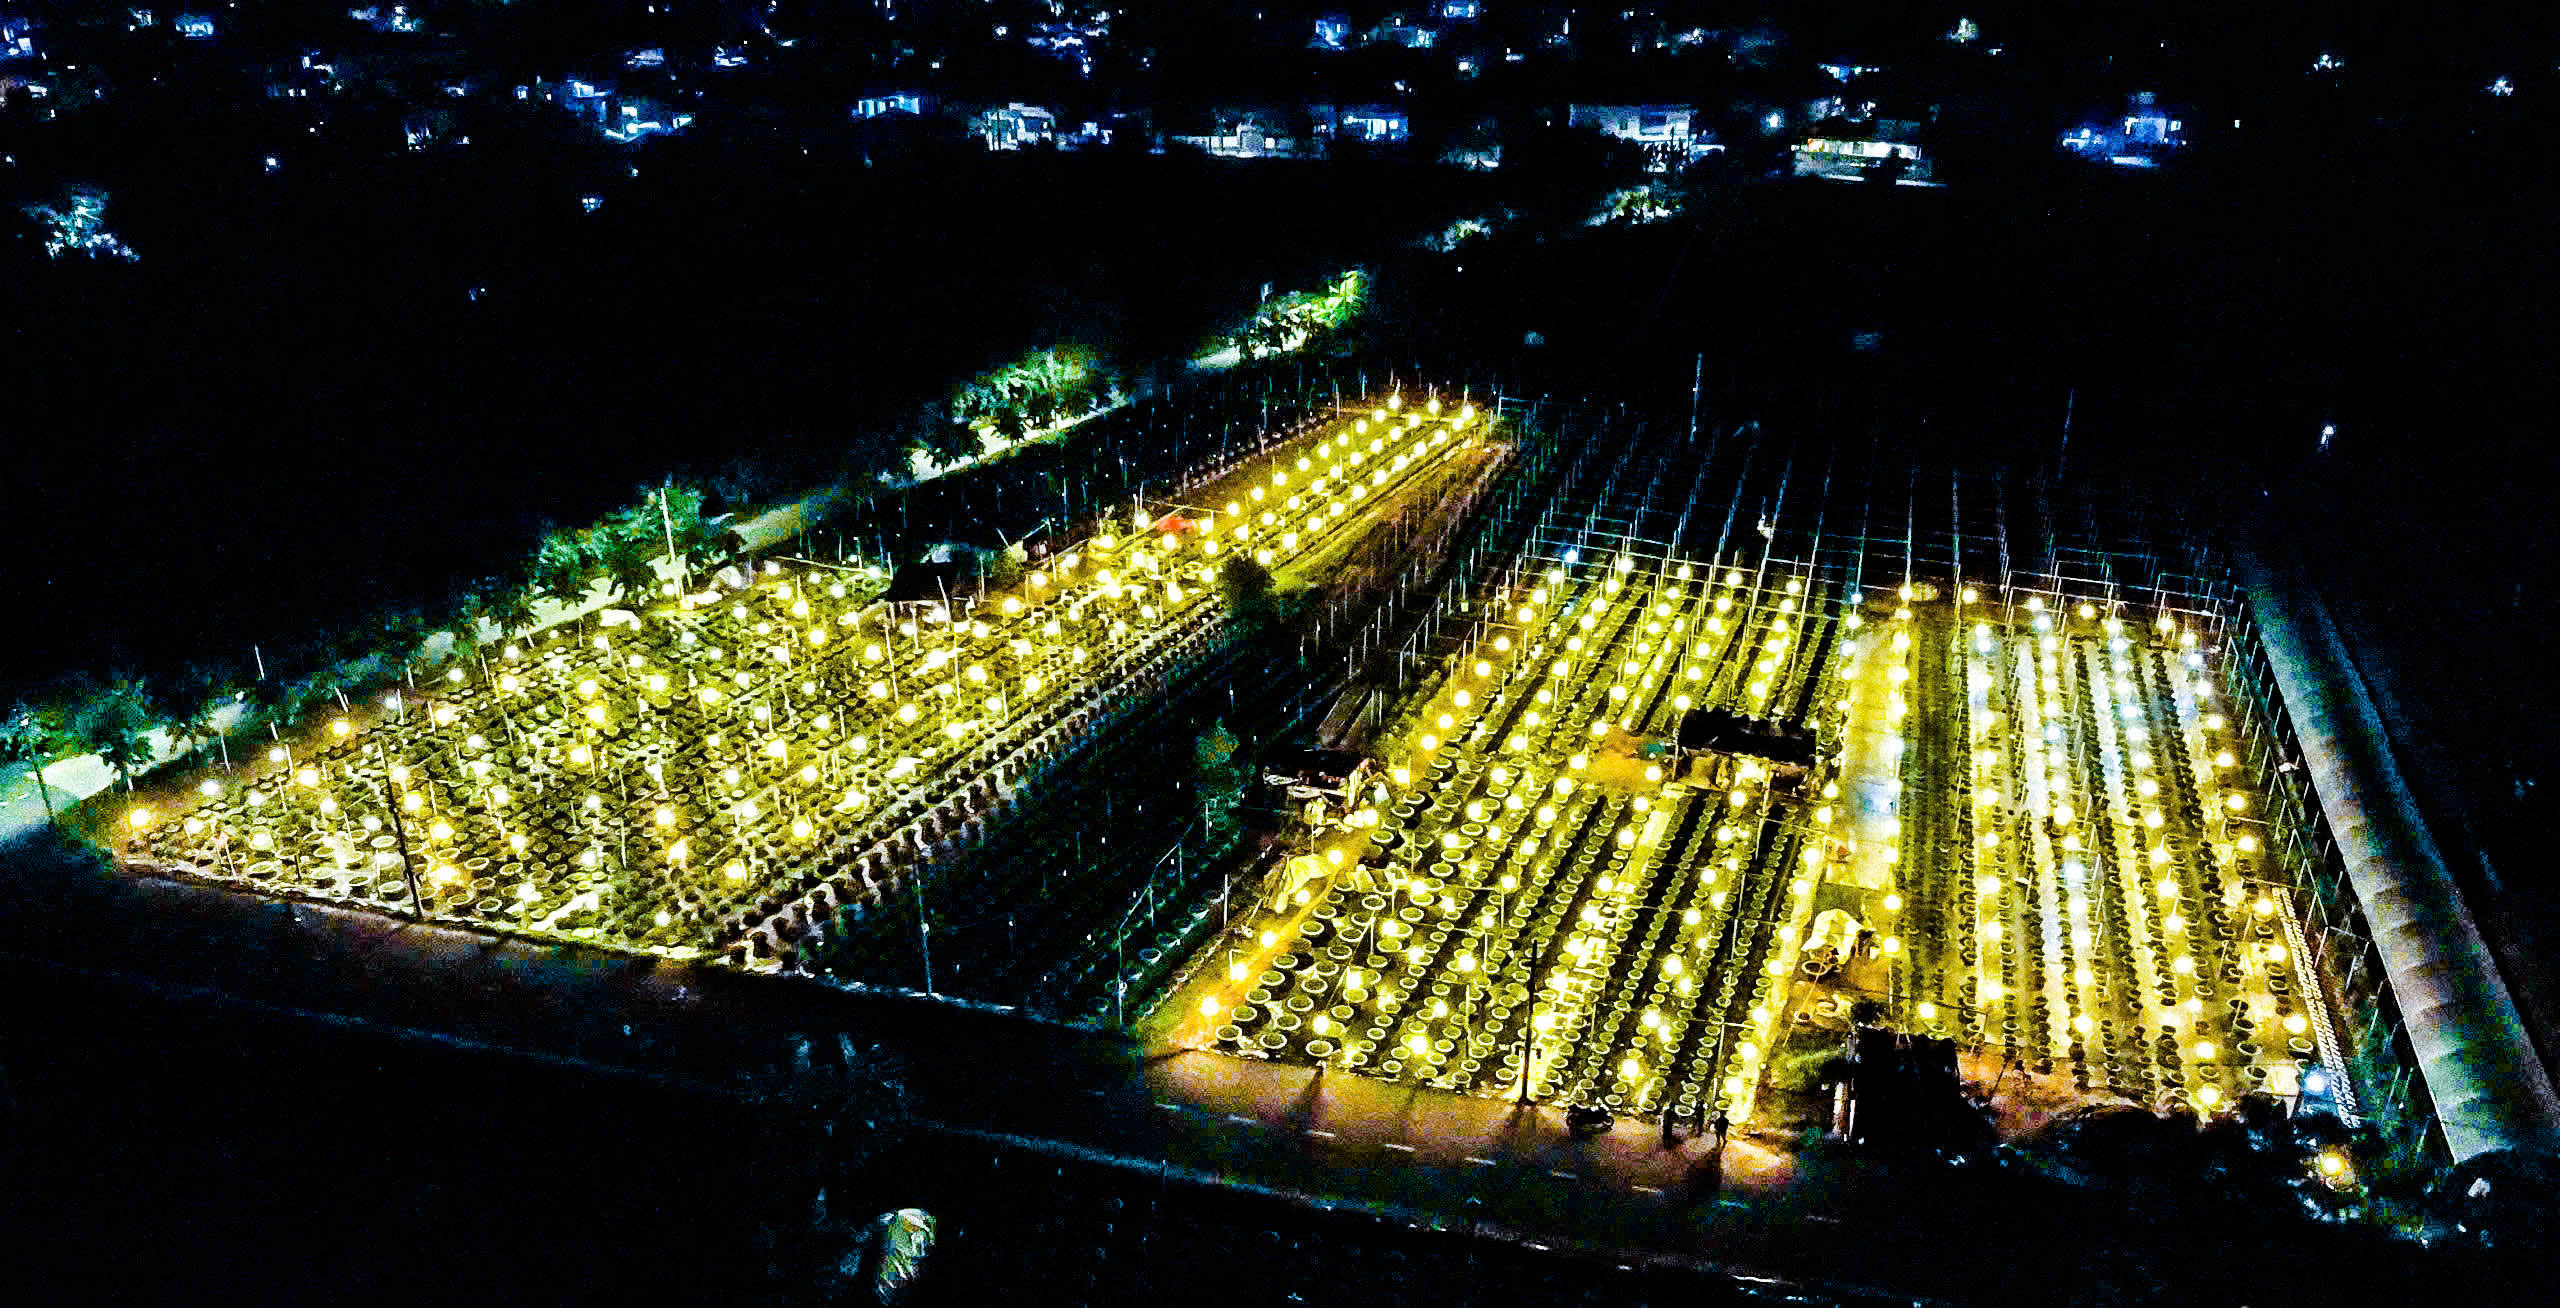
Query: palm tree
[(470, 608), (188, 706), (951, 442), (679, 506), (124, 751), (564, 567), (628, 559), (116, 726), (510, 609), (1041, 408), (1266, 335), (29, 735), (401, 631)]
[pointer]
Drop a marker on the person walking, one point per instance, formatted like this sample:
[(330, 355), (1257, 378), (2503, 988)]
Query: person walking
[(1720, 1124), (1670, 1134)]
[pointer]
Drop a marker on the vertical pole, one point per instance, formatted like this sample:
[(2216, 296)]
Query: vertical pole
[(1528, 1034), (1697, 382), (924, 931), (400, 833), (2070, 399), (684, 568)]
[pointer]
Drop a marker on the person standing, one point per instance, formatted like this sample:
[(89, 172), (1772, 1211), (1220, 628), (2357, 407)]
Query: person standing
[(1670, 1135)]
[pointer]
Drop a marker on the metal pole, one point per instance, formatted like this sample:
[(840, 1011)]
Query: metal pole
[(1528, 1035), (924, 931), (2062, 454), (684, 567), (400, 833)]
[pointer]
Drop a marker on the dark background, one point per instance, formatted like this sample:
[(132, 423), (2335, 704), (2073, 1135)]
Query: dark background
[(291, 411)]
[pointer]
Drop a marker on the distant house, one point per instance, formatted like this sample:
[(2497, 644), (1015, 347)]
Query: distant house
[(388, 18), (194, 25), (1096, 133), (1255, 132), (1333, 32), (1672, 133), (1373, 124), (590, 100), (893, 102), (421, 128), (1641, 124), (1409, 30), (638, 116), (2146, 123), (1015, 126), (17, 37), (1887, 148), (313, 76), (620, 116), (2143, 137), (1073, 42)]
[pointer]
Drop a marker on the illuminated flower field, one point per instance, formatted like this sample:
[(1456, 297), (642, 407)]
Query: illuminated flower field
[(717, 774), (2022, 831)]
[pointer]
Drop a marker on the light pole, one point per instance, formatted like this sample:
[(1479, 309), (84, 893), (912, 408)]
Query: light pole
[(1528, 1033)]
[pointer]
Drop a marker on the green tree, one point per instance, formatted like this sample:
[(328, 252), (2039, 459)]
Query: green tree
[(952, 441), (1003, 568), (1247, 589), (473, 609), (116, 726), (629, 560), (564, 567), (399, 632), (679, 506), (189, 704), (1264, 337), (32, 736), (1218, 778), (506, 600), (1042, 408), (1012, 425)]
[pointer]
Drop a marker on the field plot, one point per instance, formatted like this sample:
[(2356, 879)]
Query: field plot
[(2023, 830), (2082, 866), (1536, 880), (719, 773)]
